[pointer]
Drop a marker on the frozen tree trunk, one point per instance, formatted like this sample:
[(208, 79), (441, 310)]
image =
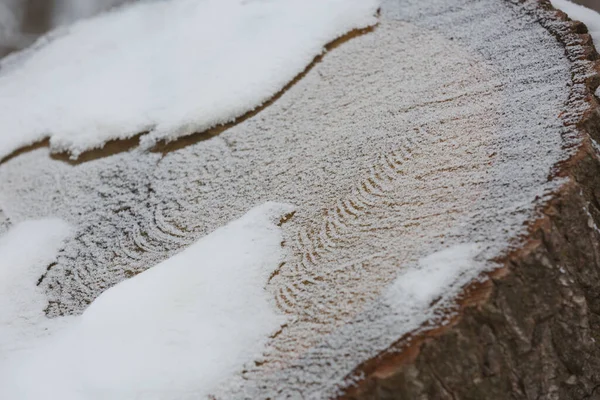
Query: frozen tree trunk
[(441, 127), (533, 330)]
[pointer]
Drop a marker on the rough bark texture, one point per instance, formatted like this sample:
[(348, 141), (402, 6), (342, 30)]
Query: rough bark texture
[(532, 331)]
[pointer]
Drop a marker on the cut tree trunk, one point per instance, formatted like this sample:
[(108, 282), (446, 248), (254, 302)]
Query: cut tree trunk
[(532, 331), (452, 123)]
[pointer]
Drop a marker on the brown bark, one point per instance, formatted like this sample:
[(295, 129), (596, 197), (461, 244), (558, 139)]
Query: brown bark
[(532, 331)]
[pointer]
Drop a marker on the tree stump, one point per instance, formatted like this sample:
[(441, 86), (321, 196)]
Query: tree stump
[(453, 124)]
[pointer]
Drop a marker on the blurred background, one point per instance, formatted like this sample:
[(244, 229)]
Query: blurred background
[(594, 4), (22, 21)]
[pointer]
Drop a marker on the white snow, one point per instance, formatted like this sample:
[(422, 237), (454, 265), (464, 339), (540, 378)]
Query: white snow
[(179, 329), (581, 13), (435, 276), (168, 67), (26, 250)]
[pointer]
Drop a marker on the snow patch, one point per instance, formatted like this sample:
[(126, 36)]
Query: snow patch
[(26, 250), (434, 277), (178, 329), (170, 68)]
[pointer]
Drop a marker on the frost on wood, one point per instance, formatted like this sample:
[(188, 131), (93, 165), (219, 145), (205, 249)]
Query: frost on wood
[(170, 68), (177, 330), (438, 129), (4, 222)]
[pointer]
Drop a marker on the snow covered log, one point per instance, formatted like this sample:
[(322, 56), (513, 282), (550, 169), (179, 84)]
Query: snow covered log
[(444, 173)]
